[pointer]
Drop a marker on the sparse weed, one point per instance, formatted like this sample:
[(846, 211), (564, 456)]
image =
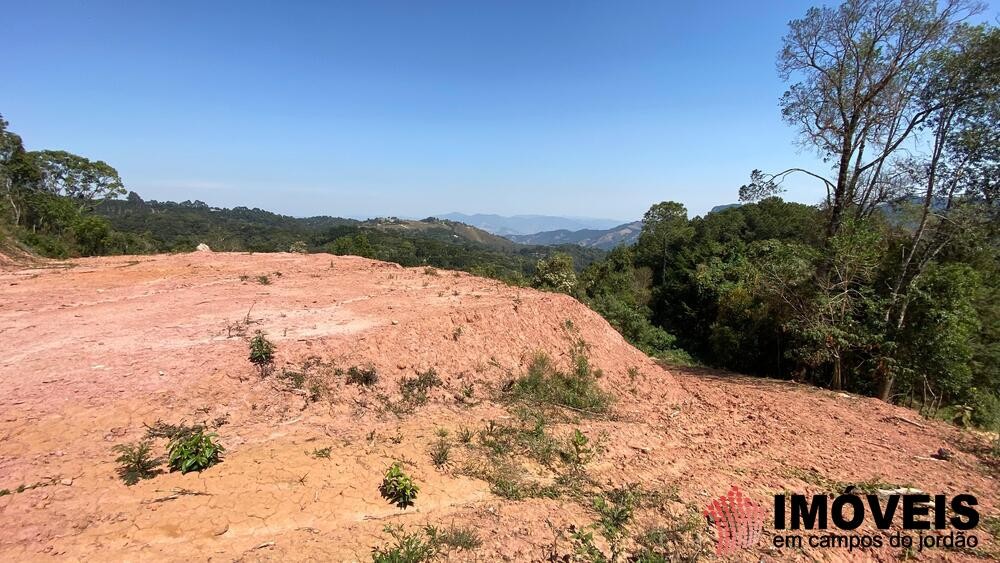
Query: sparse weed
[(440, 452), (263, 280), (431, 271), (160, 429), (465, 435), (456, 333), (322, 453), (365, 376), (296, 379), (455, 537), (397, 487), (415, 389), (244, 277), (417, 547), (195, 452), (136, 462)]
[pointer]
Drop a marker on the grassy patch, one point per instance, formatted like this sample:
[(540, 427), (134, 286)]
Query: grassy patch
[(576, 389), (425, 545)]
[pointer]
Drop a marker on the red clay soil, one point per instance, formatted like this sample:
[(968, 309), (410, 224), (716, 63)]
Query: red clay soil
[(94, 349)]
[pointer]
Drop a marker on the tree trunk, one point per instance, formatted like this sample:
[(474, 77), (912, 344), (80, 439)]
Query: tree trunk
[(885, 386), (838, 381)]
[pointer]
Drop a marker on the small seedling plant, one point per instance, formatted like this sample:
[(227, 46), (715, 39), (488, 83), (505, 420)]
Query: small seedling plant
[(398, 488), (136, 462), (195, 452)]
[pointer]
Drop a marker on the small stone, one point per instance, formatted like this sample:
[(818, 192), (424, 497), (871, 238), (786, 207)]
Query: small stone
[(395, 322), (67, 482)]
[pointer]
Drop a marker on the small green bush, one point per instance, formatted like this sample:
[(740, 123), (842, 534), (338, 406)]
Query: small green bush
[(136, 462), (194, 452), (398, 488), (261, 353)]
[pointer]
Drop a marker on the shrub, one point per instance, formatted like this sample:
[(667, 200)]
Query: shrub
[(298, 247), (261, 353), (263, 280), (362, 376), (555, 274), (398, 488), (135, 462), (194, 452), (986, 410)]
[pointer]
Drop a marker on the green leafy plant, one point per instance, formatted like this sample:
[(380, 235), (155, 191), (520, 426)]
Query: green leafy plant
[(263, 280), (615, 511), (579, 452), (262, 353), (136, 462), (397, 487), (465, 435), (195, 452)]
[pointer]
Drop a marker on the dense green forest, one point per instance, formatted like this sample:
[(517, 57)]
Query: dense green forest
[(889, 287)]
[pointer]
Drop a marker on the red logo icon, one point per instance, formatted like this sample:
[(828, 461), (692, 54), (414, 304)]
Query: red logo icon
[(738, 520)]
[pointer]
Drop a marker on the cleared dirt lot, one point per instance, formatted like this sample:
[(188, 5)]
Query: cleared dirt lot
[(94, 349)]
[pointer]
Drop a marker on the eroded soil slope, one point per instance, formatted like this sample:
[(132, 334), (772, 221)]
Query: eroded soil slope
[(96, 350)]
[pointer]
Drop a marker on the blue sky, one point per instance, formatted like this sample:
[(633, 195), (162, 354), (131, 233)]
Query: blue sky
[(410, 108)]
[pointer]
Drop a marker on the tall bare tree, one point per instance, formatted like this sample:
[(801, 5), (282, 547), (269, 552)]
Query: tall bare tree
[(857, 71)]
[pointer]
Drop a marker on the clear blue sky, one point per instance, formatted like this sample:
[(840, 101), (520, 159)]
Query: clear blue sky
[(409, 108)]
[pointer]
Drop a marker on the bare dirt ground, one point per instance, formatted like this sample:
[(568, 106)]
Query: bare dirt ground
[(94, 349)]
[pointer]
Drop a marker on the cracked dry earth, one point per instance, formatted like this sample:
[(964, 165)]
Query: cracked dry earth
[(95, 349)]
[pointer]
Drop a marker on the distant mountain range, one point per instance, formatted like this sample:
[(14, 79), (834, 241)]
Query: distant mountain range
[(528, 224), (604, 239)]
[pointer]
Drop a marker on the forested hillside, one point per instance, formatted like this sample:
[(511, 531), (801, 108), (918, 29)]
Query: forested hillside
[(890, 287)]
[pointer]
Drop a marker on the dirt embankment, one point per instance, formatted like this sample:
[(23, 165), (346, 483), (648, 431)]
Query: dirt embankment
[(97, 348)]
